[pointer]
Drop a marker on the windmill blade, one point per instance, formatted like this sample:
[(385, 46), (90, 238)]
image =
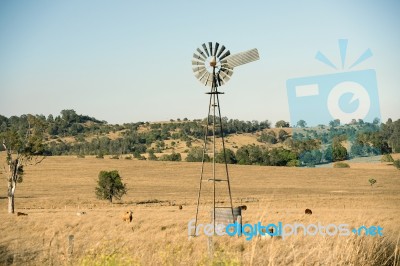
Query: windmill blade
[(197, 63), (209, 81), (243, 58), (226, 71), (204, 78), (220, 82), (201, 53), (198, 68), (221, 50), (211, 47), (200, 73), (216, 48), (205, 49), (198, 57), (224, 77), (224, 63), (227, 53)]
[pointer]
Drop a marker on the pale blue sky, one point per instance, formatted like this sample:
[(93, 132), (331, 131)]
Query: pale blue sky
[(128, 61)]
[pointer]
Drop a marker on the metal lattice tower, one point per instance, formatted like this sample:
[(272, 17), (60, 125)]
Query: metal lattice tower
[(213, 66)]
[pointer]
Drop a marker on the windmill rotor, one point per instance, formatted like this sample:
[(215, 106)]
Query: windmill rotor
[(212, 62)]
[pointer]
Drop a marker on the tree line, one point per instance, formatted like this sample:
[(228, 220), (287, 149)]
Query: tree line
[(73, 134)]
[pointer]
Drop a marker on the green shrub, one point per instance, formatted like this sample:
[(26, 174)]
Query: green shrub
[(176, 157), (341, 165), (397, 164), (196, 155), (152, 156), (372, 181), (137, 155), (293, 163), (387, 158), (230, 157)]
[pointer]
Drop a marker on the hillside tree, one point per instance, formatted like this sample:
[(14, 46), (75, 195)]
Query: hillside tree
[(281, 123), (339, 152), (301, 123), (23, 147), (229, 156)]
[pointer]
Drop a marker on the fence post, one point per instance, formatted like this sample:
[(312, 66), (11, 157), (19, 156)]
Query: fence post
[(239, 221), (70, 245)]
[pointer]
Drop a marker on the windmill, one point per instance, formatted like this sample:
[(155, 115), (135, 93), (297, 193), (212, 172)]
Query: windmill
[(213, 66)]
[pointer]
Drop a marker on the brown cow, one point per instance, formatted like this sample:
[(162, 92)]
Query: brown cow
[(308, 211), (127, 217), (21, 214)]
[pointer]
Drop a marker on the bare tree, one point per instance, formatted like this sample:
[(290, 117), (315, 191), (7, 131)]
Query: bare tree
[(21, 151)]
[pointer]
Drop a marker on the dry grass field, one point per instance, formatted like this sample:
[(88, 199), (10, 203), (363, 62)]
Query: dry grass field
[(54, 191)]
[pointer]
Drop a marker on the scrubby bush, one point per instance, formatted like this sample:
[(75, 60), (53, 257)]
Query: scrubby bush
[(196, 155), (372, 181), (387, 158), (397, 164), (152, 156), (269, 137), (293, 163), (341, 165), (230, 157), (176, 157)]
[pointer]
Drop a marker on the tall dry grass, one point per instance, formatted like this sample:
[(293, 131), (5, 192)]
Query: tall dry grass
[(54, 191)]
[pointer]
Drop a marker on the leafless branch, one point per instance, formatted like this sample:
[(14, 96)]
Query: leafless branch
[(38, 160)]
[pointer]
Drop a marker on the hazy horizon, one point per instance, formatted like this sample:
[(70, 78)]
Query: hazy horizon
[(181, 118)]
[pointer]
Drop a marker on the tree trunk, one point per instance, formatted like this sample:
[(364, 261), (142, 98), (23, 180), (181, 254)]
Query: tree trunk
[(12, 183), (10, 194), (11, 204)]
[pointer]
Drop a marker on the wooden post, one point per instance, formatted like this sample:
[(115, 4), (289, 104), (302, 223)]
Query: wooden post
[(70, 245), (239, 221), (210, 247)]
